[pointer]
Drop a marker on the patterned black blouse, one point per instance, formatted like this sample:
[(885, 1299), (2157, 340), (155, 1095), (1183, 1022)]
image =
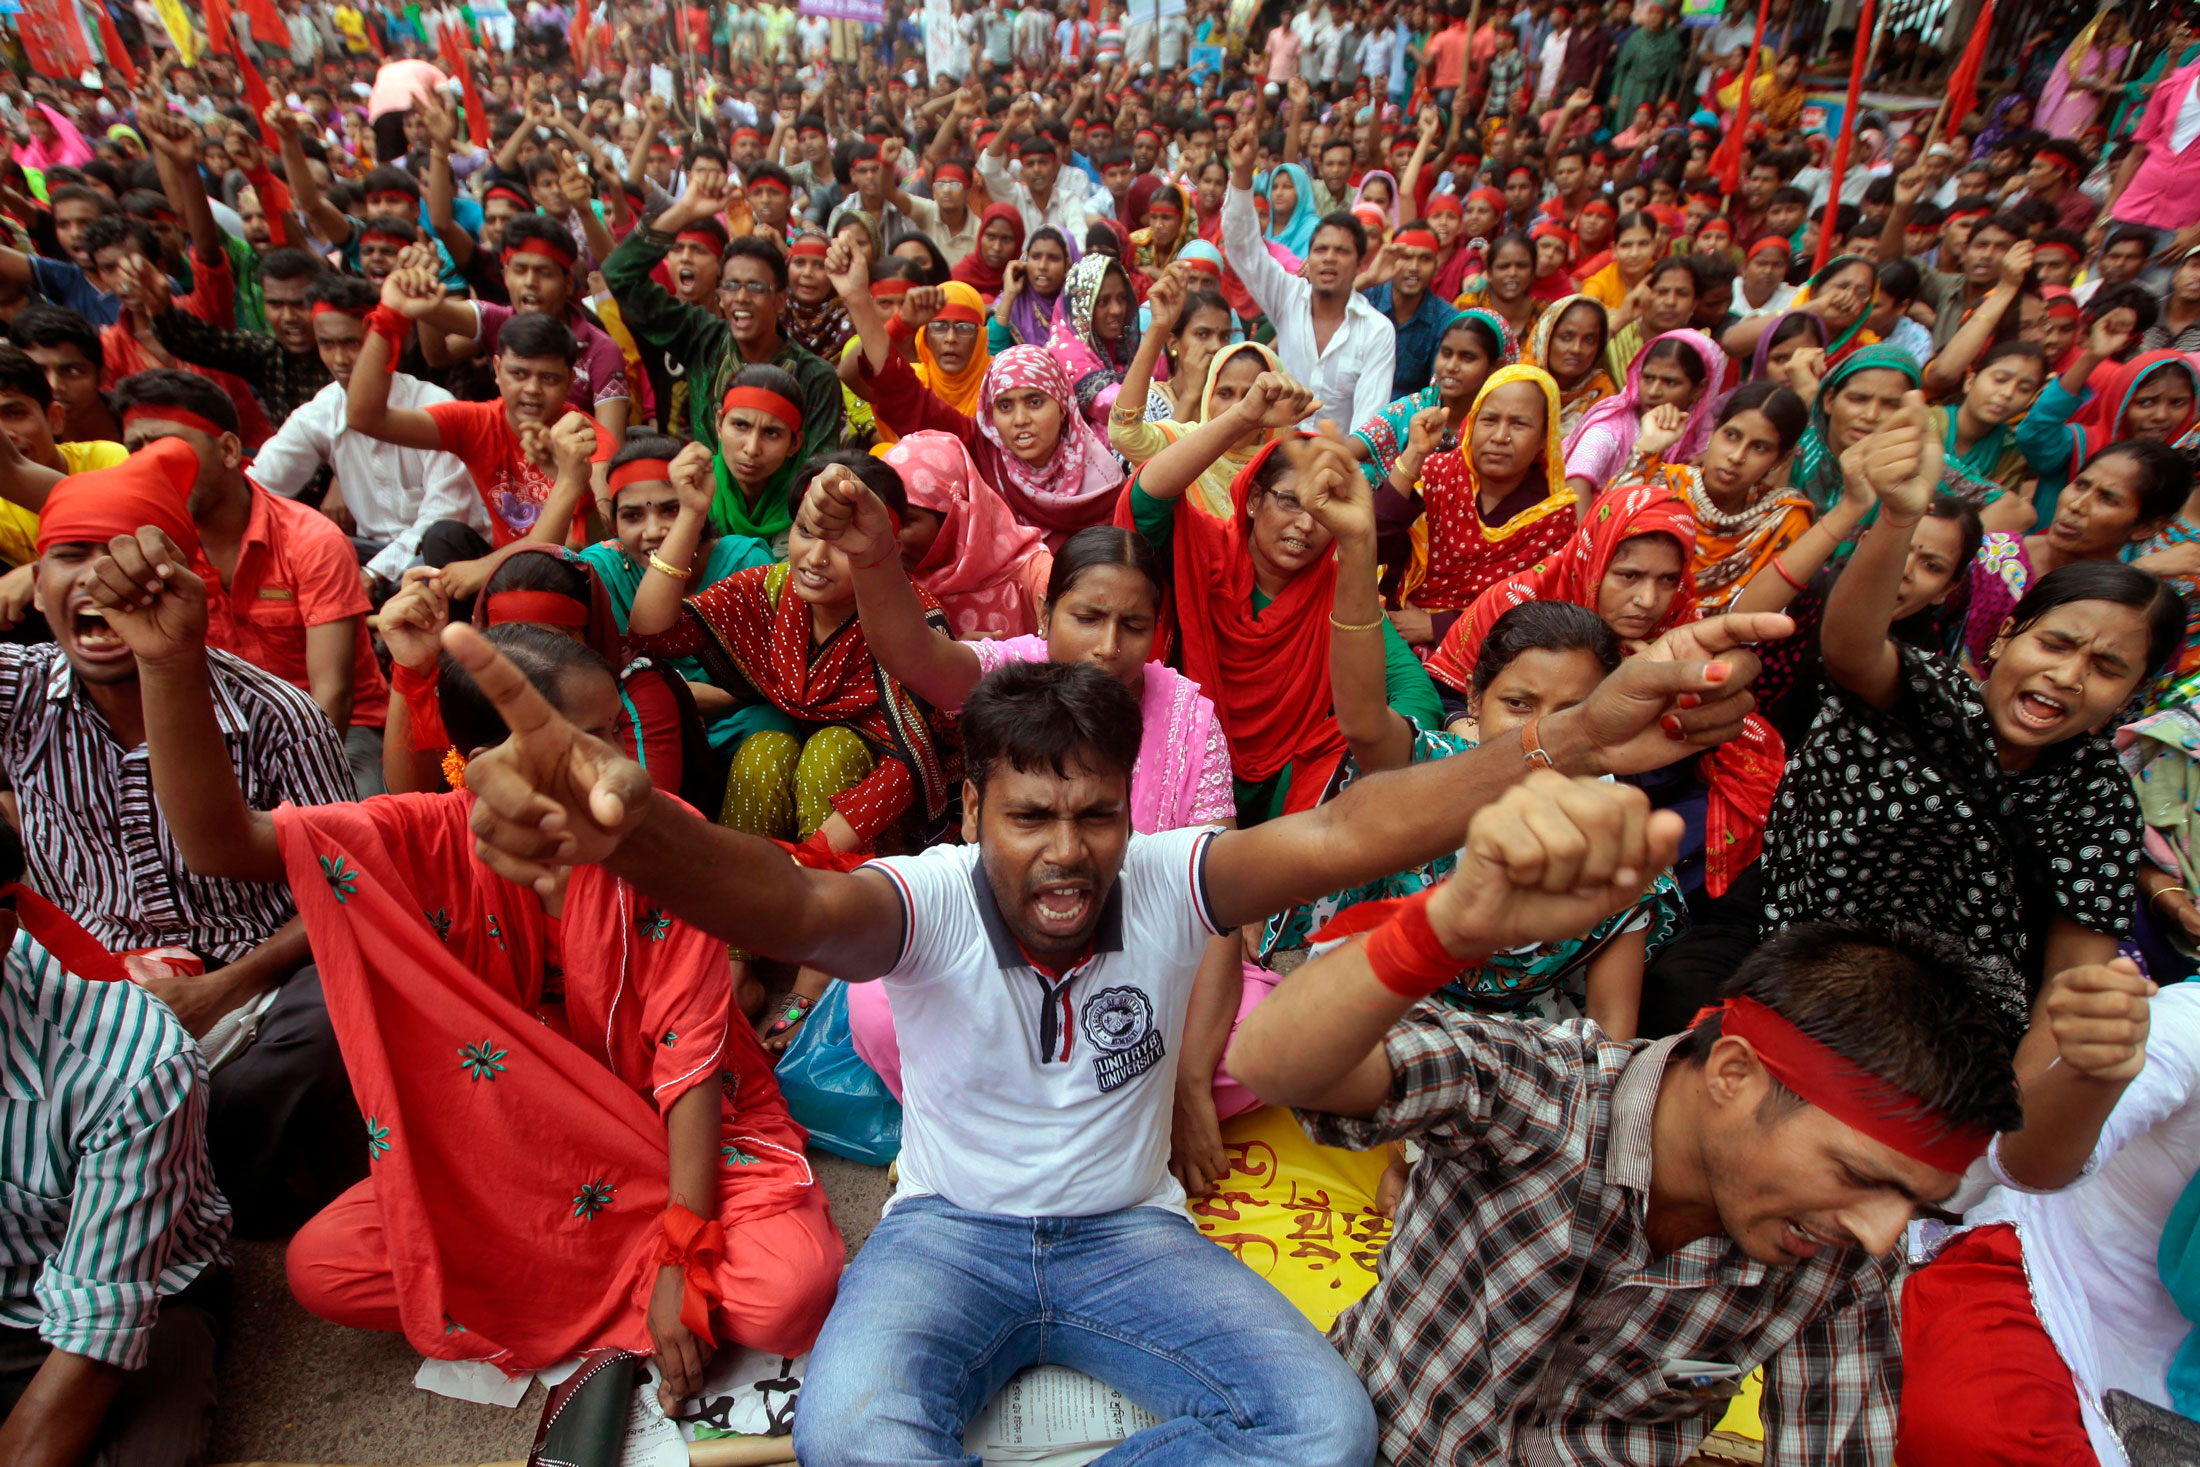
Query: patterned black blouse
[(1905, 816)]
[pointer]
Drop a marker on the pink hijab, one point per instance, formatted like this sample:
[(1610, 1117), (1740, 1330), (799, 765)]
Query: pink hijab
[(67, 150), (1075, 487), (988, 572), (1602, 441)]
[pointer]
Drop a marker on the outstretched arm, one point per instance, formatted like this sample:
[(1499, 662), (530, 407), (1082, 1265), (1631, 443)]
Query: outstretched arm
[(1333, 489), (550, 797), (1902, 463), (409, 295)]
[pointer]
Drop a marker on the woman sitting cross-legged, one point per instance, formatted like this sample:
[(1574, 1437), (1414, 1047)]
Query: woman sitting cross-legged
[(573, 1146)]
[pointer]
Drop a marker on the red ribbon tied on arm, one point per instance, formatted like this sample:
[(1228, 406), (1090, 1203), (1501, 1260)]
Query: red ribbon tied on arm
[(695, 1248)]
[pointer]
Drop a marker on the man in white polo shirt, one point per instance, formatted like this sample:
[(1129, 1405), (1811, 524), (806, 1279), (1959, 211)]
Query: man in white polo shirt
[(1040, 975)]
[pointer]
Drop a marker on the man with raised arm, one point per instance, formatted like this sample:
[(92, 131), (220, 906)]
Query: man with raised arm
[(1061, 949)]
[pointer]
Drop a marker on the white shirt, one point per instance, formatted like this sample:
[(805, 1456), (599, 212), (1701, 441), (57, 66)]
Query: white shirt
[(1033, 1097), (1376, 49), (1781, 296), (2187, 126), (1065, 209), (1352, 375), (2089, 1250), (393, 493), (954, 243), (1548, 66)]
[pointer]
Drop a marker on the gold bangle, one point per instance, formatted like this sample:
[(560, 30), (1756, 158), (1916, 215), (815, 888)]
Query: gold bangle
[(665, 567), (2165, 891), (1357, 626)]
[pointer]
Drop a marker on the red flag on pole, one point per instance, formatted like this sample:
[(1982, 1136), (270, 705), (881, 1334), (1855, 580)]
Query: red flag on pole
[(118, 56), (578, 35), (1726, 162), (1963, 83), (1828, 226), (268, 26), (477, 114), (52, 39), (221, 32)]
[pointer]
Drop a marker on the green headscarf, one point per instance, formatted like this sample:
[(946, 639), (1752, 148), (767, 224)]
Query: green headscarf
[(773, 515), (1817, 466)]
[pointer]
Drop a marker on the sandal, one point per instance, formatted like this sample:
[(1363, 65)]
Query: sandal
[(790, 1019)]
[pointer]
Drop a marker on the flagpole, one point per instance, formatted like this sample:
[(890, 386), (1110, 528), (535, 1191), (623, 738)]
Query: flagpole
[(1829, 226), (1730, 169)]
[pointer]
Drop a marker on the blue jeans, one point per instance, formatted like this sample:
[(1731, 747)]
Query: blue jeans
[(942, 1306)]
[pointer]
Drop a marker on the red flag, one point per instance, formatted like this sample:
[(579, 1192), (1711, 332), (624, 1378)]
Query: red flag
[(578, 34), (268, 26), (1963, 84), (1826, 228), (221, 33), (52, 39), (117, 55), (477, 114), (1726, 162)]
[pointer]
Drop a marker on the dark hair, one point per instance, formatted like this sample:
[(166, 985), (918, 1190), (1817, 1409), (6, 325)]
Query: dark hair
[(1668, 350), (1197, 301), (390, 226), (345, 292), (712, 229), (2138, 234), (539, 226), (77, 193), (543, 655), (2003, 350), (1100, 545), (11, 853), (289, 263), (42, 325), (168, 387), (1514, 239), (19, 374), (1714, 276), (1350, 224), (2070, 153), (2165, 475), (541, 164), (1481, 331), (1038, 716), (2130, 296), (1101, 239), (1038, 145), (1901, 279), (752, 247), (387, 180), (533, 334), (109, 230), (147, 204), (2119, 585), (1780, 405), (1114, 157), (2010, 224), (646, 445), (878, 476), (934, 271), (1544, 626), (1902, 1003), (773, 172), (561, 574), (1335, 142), (1634, 219), (1685, 264), (1880, 190), (1788, 193), (1971, 529)]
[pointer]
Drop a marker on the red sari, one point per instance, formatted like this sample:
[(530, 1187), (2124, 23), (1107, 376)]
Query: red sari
[(515, 1071), (1466, 556)]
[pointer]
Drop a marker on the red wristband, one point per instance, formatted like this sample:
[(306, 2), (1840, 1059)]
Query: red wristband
[(1405, 953), (418, 691), (386, 323), (695, 1248)]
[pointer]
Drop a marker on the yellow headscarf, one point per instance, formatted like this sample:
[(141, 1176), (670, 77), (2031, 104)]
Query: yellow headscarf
[(1211, 493), (960, 390)]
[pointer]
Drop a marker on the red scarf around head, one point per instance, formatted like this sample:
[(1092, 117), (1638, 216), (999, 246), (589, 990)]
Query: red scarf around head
[(1268, 674), (972, 269)]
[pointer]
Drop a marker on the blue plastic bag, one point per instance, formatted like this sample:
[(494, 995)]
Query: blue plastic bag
[(836, 1097)]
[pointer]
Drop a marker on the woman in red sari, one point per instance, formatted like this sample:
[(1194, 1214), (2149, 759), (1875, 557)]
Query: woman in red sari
[(572, 1144)]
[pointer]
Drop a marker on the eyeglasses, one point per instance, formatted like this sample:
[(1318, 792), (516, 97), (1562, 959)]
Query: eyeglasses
[(757, 288), (959, 330)]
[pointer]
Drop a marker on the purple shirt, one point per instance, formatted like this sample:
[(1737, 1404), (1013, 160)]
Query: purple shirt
[(599, 373)]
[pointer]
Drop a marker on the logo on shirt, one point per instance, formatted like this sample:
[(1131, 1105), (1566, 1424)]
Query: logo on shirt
[(1119, 1023)]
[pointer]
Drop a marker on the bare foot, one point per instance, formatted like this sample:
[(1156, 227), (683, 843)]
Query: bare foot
[(749, 993), (1392, 1187), (784, 1019)]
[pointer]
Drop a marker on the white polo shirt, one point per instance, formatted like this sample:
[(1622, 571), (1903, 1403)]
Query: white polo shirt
[(1031, 1096)]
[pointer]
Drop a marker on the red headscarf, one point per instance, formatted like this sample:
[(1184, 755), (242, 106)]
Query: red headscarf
[(150, 487), (2101, 421), (972, 269), (1575, 574), (1268, 674)]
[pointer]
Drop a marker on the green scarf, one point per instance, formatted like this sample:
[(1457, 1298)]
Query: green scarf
[(730, 512), (1817, 466)]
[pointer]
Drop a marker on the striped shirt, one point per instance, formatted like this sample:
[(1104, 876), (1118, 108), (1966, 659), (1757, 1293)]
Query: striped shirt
[(95, 842), (107, 1199), (1522, 1316)]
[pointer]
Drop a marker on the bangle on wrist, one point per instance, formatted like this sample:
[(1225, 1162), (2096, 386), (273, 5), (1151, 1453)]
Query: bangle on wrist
[(665, 567), (1894, 524), (2165, 891), (1357, 626)]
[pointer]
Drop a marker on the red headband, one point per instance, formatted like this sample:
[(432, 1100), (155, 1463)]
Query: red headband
[(544, 608), (1489, 196), (887, 290), (1417, 239), (1600, 207), (535, 244), (1203, 265), (1850, 1093), (2065, 305), (1443, 204), (699, 237), (324, 308), (1954, 214), (640, 471), (1769, 242), (509, 192), (392, 196), (747, 132), (2063, 246), (1719, 223), (951, 173), (763, 399), (768, 185), (810, 247), (956, 311), (1171, 210), (141, 412)]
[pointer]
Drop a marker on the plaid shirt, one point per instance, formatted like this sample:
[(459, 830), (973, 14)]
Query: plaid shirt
[(285, 380), (1521, 1315)]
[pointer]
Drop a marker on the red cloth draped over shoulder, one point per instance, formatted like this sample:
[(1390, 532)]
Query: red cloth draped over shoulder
[(518, 1145), (1268, 673), (972, 269)]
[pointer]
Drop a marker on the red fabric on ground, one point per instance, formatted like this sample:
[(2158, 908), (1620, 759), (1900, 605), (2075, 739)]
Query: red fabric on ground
[(1982, 1384)]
